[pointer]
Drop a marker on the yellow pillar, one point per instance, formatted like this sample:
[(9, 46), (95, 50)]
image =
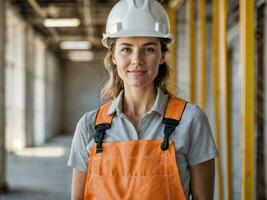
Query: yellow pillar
[(247, 100), (192, 48), (216, 94), (226, 93), (173, 51), (203, 47)]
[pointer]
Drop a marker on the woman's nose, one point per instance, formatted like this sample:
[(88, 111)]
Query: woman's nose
[(137, 58)]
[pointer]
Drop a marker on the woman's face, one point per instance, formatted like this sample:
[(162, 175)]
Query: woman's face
[(138, 60)]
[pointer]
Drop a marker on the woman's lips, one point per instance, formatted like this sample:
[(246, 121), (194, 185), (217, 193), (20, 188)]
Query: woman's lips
[(137, 72)]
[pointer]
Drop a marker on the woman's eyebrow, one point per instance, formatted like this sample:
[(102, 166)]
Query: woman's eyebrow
[(125, 44), (146, 44), (150, 43)]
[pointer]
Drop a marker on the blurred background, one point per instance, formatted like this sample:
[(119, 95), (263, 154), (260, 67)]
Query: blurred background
[(52, 72)]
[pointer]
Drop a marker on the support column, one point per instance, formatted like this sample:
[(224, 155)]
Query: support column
[(226, 93), (3, 185), (29, 106), (192, 47), (216, 95), (247, 102)]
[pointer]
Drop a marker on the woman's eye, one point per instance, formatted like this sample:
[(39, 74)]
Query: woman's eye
[(149, 50), (125, 50)]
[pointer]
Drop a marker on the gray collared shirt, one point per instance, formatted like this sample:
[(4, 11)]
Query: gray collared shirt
[(193, 138)]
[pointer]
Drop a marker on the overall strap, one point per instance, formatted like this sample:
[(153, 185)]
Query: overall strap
[(102, 123), (172, 116)]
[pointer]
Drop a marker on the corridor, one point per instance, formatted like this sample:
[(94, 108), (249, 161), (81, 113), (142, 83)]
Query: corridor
[(40, 173), (52, 71)]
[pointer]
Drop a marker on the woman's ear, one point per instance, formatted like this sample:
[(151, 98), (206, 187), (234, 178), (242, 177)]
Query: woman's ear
[(162, 59), (114, 61)]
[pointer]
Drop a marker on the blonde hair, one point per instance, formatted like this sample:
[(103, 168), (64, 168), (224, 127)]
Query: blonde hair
[(114, 84)]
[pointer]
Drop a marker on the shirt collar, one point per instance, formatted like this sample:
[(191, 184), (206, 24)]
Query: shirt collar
[(158, 106), (160, 102), (116, 104)]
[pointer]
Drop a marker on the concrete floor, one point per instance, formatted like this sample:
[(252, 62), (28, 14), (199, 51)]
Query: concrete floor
[(40, 173)]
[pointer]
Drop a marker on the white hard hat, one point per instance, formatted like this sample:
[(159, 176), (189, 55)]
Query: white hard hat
[(137, 18)]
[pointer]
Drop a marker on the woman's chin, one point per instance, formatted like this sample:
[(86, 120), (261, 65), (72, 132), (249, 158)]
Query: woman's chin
[(138, 84)]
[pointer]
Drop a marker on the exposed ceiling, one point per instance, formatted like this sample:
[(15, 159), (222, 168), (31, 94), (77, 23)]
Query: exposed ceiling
[(92, 15)]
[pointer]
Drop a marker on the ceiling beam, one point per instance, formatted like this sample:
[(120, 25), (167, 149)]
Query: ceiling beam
[(42, 15), (88, 19)]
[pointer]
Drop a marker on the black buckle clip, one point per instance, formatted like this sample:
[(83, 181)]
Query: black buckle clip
[(170, 125), (99, 136)]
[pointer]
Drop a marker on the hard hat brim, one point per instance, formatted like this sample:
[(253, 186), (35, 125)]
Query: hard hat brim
[(136, 33)]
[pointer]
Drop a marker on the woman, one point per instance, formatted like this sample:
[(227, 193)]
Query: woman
[(144, 143)]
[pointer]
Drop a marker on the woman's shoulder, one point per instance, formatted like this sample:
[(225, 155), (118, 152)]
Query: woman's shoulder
[(89, 117), (87, 120), (193, 112)]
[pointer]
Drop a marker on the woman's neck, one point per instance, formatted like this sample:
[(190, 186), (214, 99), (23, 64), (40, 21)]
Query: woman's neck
[(138, 101)]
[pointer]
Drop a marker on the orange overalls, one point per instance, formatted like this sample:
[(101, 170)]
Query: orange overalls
[(135, 169)]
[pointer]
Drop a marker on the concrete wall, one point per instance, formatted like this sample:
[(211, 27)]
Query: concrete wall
[(182, 55), (234, 56), (2, 95), (34, 87), (15, 82), (30, 78), (54, 100), (39, 105), (83, 83)]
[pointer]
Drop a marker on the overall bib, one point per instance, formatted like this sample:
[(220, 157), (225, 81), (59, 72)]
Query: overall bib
[(135, 169)]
